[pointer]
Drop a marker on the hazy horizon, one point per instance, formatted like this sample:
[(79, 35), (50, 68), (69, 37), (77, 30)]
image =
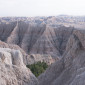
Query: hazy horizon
[(32, 8)]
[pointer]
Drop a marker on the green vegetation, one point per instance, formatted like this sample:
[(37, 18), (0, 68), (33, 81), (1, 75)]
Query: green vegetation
[(38, 68)]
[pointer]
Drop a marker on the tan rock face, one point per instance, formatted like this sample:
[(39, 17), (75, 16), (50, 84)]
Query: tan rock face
[(70, 69), (12, 69)]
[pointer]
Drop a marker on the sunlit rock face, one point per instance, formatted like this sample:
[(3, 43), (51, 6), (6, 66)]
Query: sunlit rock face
[(70, 69), (12, 69)]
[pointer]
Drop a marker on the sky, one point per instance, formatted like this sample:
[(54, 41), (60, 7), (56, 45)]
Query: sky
[(31, 8)]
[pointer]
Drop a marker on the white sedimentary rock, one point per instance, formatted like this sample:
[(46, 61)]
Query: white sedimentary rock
[(12, 69)]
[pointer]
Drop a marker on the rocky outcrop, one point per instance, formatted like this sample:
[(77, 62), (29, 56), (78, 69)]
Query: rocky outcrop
[(33, 58), (31, 36), (62, 35), (16, 47), (16, 36), (70, 69), (46, 40), (44, 45), (12, 46), (12, 69), (6, 29)]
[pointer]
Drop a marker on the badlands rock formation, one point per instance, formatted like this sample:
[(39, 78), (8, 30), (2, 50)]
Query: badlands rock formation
[(12, 46), (16, 47), (12, 69), (16, 36), (31, 36), (45, 39), (32, 58), (36, 38), (39, 35), (70, 70)]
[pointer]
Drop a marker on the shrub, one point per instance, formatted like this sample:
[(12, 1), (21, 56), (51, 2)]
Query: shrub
[(38, 68)]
